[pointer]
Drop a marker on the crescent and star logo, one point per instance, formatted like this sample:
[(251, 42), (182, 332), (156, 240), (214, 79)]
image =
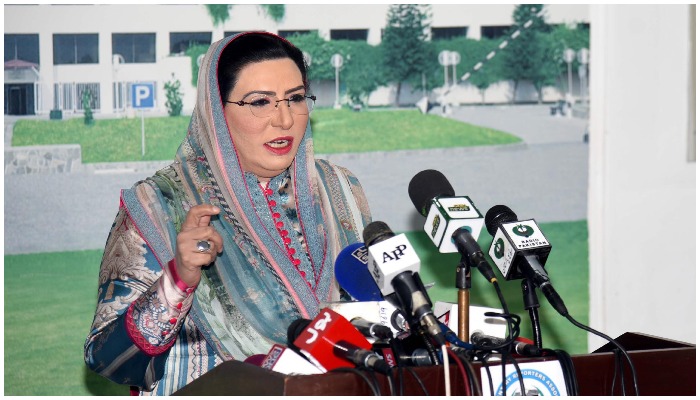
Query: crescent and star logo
[(498, 249), (523, 230)]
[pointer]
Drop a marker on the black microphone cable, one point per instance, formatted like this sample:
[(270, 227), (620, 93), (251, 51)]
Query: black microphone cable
[(373, 386), (615, 343), (532, 305), (418, 379)]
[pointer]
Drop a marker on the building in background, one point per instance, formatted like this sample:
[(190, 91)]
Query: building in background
[(55, 52)]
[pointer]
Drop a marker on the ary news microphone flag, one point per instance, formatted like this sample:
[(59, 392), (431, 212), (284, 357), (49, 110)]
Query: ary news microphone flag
[(394, 265), (520, 249), (353, 276), (434, 198), (321, 336)]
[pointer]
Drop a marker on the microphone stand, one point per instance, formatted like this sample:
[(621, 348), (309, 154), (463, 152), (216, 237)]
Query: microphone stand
[(463, 283), (532, 304)]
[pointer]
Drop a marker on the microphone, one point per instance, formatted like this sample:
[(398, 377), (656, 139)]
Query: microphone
[(452, 222), (286, 361), (434, 198), (394, 265), (318, 340), (480, 339), (361, 357), (353, 276), (520, 249), (372, 329)]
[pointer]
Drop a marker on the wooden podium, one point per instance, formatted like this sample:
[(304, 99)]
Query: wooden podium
[(664, 368)]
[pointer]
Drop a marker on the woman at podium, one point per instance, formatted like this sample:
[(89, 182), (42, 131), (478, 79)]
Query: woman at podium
[(211, 258)]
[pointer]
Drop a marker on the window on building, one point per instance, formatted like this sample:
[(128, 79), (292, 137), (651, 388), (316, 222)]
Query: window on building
[(495, 31), (22, 47), (181, 41), (75, 49), (135, 47), (349, 34), (449, 33), (288, 33)]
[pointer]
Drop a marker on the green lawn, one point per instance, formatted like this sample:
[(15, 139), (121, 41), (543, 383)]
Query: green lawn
[(50, 301), (335, 131)]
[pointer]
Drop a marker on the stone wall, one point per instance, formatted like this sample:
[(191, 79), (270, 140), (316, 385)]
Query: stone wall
[(42, 159)]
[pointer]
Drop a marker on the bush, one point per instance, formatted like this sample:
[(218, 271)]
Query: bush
[(87, 108), (174, 97)]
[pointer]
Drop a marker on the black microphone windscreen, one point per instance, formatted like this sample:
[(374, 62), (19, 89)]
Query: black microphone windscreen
[(427, 185), (376, 230), (294, 330), (497, 215)]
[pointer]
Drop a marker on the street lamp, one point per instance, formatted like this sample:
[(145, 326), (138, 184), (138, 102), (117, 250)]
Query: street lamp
[(582, 57), (337, 62), (455, 58), (569, 55)]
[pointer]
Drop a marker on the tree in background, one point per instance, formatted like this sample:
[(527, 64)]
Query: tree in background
[(529, 57), (563, 37), (362, 71), (471, 53), (173, 96), (220, 13), (406, 51), (86, 99)]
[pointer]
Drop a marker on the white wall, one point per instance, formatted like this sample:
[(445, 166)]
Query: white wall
[(642, 200)]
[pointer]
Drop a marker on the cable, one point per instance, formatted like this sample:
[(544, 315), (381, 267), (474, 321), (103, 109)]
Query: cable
[(471, 373), (446, 365), (614, 342), (451, 337), (420, 382), (536, 331), (614, 380), (390, 381), (373, 388), (463, 372), (502, 299), (519, 373)]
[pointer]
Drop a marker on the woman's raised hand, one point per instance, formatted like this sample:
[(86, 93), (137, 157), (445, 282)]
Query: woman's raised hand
[(198, 243)]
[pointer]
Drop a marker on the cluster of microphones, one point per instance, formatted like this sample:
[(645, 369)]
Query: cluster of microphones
[(385, 269)]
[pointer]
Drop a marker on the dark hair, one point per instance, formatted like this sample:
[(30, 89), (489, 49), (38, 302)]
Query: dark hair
[(251, 48)]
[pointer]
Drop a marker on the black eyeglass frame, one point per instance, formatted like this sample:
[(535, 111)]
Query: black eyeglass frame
[(277, 102)]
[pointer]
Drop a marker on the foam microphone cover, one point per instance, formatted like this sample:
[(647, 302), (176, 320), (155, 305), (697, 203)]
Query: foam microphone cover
[(425, 186), (497, 215), (353, 276)]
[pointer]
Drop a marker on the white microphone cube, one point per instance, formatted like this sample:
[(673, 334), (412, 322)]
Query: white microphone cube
[(515, 238), (446, 215), (389, 258)]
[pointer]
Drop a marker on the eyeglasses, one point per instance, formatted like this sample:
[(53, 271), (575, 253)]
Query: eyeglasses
[(263, 105)]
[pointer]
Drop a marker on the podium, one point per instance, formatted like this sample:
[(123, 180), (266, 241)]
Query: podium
[(664, 368)]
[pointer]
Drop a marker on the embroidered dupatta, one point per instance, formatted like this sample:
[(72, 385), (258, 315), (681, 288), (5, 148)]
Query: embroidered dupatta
[(248, 297)]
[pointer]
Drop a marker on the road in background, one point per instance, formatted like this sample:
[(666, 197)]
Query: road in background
[(545, 178)]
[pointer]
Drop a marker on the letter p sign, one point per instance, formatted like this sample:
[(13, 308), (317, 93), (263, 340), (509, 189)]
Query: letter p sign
[(142, 95)]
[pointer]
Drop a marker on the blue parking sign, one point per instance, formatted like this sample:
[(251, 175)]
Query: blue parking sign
[(142, 95)]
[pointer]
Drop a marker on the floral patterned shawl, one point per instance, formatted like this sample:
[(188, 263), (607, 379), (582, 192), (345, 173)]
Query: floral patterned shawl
[(248, 297)]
